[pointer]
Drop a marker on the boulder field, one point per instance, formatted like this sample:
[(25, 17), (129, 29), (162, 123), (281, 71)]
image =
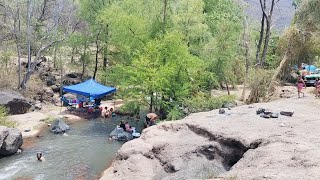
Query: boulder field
[(238, 144)]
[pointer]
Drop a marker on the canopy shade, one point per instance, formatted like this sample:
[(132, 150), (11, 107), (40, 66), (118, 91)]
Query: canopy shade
[(310, 68), (90, 88)]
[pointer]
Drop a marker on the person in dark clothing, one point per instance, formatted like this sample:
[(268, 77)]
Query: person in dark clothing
[(122, 125)]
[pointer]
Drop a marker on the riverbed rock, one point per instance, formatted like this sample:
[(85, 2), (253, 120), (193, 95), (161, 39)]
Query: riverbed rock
[(15, 102), (59, 126), (207, 145), (10, 141), (222, 111), (120, 135)]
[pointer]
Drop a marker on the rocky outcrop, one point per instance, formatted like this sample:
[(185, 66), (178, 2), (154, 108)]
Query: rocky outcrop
[(10, 141), (14, 101), (120, 135), (237, 146), (59, 126)]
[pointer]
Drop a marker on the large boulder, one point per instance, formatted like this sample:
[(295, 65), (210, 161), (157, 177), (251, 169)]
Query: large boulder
[(10, 141), (59, 126), (15, 102), (120, 135)]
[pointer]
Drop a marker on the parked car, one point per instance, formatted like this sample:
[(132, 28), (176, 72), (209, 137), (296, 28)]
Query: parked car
[(311, 79)]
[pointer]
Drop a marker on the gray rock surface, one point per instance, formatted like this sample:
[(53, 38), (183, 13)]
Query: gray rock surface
[(59, 126), (222, 111), (120, 135), (207, 145), (15, 102), (10, 141)]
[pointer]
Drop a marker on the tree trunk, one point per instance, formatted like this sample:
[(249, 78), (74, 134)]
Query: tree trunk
[(29, 33), (246, 47), (55, 57), (165, 4), (151, 102), (268, 34), (97, 55), (259, 45), (33, 66), (266, 42), (227, 86), (84, 59), (72, 54)]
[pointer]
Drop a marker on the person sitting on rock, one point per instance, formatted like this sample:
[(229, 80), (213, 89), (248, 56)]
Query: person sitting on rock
[(128, 127), (150, 119), (122, 125), (40, 157)]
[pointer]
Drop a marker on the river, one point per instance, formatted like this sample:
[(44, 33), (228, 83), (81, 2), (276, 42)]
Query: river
[(84, 154)]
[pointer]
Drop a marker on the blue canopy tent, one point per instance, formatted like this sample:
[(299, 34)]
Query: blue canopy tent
[(90, 88), (310, 68)]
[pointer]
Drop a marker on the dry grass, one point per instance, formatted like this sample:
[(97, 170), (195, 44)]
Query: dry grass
[(8, 78), (34, 85)]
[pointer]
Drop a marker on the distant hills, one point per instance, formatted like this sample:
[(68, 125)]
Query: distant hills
[(283, 13)]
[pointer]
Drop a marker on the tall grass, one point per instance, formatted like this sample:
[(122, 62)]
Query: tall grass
[(4, 118)]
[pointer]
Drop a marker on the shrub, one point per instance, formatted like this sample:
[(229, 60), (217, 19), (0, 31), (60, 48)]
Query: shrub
[(175, 114), (259, 81), (4, 118), (48, 119), (130, 107), (205, 102)]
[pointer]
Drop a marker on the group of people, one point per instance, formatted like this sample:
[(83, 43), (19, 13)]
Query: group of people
[(301, 84), (107, 113)]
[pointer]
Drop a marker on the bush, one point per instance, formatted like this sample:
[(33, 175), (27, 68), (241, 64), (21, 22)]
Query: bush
[(175, 114), (3, 118), (259, 81), (205, 102), (49, 119), (130, 107)]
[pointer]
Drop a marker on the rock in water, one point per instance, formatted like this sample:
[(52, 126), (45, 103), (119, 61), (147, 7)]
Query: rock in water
[(222, 111), (59, 126), (121, 135), (286, 113), (10, 141)]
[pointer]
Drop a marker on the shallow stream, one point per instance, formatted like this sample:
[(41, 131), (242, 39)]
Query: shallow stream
[(84, 154)]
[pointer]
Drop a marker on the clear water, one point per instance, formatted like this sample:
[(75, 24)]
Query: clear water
[(84, 154)]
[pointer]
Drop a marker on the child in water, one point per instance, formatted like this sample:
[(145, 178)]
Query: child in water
[(40, 157)]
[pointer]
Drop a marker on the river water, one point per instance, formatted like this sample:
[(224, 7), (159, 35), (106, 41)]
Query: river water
[(83, 154)]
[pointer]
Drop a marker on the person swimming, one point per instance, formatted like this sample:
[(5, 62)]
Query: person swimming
[(40, 157)]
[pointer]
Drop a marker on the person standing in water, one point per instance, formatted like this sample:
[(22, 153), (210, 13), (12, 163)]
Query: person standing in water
[(40, 157), (300, 85)]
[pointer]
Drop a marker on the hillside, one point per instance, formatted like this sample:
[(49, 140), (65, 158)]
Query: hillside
[(235, 145), (283, 16)]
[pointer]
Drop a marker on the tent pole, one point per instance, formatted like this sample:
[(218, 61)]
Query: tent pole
[(114, 102)]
